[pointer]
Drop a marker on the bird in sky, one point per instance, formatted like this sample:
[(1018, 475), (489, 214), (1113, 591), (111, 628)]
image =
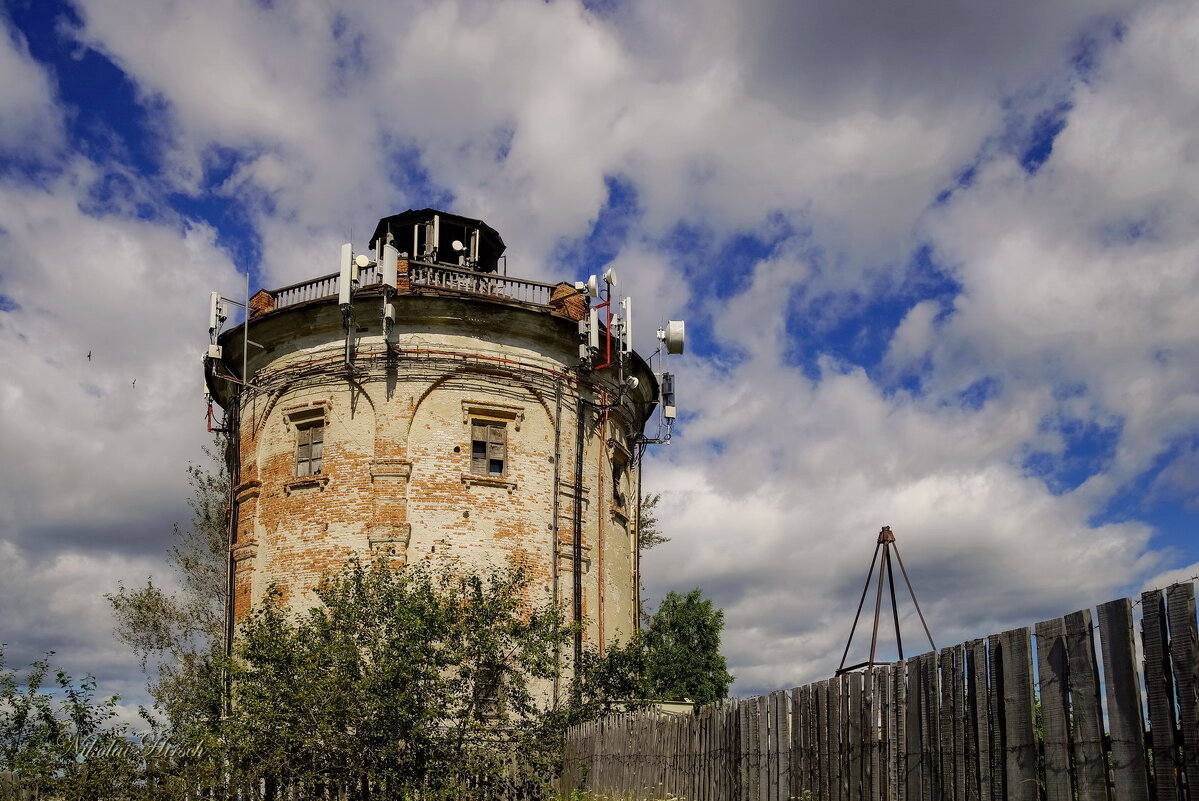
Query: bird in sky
[(89, 355), (135, 382)]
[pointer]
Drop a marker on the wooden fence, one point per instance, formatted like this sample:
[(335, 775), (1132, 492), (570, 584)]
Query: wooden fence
[(990, 719)]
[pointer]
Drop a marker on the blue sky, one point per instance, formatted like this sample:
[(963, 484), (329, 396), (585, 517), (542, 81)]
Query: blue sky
[(940, 270)]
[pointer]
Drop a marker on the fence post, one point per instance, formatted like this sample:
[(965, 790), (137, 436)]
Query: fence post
[(1184, 653), (1159, 692), (948, 747), (1019, 736), (1129, 774), (1053, 667), (913, 735), (1090, 756)]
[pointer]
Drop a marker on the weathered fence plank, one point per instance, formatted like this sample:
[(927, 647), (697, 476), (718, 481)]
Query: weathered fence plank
[(783, 704), (762, 716), (853, 732), (995, 701), (1159, 695), (957, 724), (1090, 756), (1019, 734), (978, 732), (1129, 773), (772, 748), (838, 780), (798, 747), (914, 772), (897, 773), (816, 747), (1053, 668), (827, 787), (1184, 656), (749, 767), (945, 721), (880, 705), (930, 742)]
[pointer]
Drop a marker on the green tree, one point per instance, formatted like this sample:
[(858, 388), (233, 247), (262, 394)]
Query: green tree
[(409, 679), (649, 534), (677, 656), (59, 741), (179, 636), (682, 650)]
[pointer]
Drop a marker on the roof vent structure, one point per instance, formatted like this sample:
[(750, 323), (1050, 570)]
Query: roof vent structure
[(443, 238)]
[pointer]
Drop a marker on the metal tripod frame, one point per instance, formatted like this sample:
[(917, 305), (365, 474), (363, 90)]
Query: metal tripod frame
[(886, 544)]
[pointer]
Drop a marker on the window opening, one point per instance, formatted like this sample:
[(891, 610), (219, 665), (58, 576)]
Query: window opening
[(618, 473), (310, 440), (488, 447)]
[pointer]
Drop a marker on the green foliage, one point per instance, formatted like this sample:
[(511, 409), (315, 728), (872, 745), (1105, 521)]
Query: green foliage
[(682, 650), (59, 740), (677, 657), (179, 636), (609, 683), (407, 678), (649, 534)]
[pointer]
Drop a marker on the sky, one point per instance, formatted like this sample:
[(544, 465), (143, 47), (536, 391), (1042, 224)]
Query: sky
[(939, 264)]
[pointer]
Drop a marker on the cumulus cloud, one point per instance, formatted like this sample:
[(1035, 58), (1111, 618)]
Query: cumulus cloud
[(1177, 575), (778, 487), (101, 410), (1084, 274), (518, 109), (838, 141), (30, 123)]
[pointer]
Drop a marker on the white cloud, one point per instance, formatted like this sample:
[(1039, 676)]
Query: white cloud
[(95, 474), (780, 483), (716, 116), (1087, 273), (1177, 575), (30, 124), (833, 129), (776, 490)]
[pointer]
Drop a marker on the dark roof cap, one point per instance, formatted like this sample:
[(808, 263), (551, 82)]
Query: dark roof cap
[(492, 242)]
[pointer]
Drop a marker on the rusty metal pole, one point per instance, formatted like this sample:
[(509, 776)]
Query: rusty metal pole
[(894, 603), (861, 602), (878, 591)]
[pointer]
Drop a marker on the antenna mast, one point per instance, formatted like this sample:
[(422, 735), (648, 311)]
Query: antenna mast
[(886, 544)]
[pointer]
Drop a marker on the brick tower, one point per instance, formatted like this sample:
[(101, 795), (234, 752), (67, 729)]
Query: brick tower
[(422, 401)]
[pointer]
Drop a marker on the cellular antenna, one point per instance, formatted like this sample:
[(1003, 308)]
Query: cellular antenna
[(347, 283), (389, 259), (626, 344), (216, 315)]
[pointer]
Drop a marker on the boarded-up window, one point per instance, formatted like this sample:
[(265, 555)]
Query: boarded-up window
[(310, 440), (488, 447)]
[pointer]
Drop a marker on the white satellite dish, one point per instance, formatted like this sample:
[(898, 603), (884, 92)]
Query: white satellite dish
[(593, 286), (610, 276), (673, 336), (457, 246), (361, 260)]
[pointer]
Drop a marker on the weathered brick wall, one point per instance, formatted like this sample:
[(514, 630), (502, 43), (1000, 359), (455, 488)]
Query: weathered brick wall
[(396, 470)]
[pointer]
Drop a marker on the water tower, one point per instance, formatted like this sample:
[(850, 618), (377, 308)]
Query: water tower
[(418, 401)]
